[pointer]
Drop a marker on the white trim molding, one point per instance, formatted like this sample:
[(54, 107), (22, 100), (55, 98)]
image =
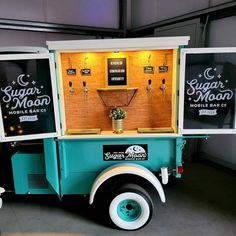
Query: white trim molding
[(129, 44)]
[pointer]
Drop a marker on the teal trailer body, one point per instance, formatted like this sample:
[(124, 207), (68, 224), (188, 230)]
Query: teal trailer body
[(70, 166)]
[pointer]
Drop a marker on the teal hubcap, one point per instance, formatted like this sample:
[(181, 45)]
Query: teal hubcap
[(129, 210)]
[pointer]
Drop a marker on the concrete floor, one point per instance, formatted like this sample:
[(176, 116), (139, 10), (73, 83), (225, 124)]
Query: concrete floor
[(202, 203)]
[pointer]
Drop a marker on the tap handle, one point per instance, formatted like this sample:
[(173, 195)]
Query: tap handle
[(149, 82), (84, 83), (163, 81), (70, 84)]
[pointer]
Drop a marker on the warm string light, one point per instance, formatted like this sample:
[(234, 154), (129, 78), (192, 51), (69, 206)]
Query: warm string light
[(18, 129)]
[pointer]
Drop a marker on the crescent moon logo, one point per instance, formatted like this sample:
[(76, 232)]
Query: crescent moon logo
[(135, 149), (207, 75), (20, 80)]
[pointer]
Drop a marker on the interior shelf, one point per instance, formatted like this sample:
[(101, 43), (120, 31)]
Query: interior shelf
[(114, 97)]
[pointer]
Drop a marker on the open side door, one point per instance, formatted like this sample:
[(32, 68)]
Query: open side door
[(51, 163), (207, 91), (29, 104)]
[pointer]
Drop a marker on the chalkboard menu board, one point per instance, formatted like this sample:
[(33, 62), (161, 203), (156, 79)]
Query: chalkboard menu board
[(209, 91), (27, 104), (117, 71)]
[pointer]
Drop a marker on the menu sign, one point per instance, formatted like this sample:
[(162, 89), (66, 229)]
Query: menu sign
[(26, 97), (209, 95), (117, 71)]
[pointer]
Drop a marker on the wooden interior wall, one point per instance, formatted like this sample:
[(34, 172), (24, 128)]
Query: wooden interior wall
[(144, 110)]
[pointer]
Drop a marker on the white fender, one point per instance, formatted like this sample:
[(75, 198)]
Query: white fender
[(2, 190), (128, 168)]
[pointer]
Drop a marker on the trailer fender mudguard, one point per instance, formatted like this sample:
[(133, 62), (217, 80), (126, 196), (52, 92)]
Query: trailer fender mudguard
[(2, 190), (128, 168)]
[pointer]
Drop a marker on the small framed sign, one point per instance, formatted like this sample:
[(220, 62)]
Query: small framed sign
[(71, 71), (163, 69), (116, 71), (85, 71), (149, 70)]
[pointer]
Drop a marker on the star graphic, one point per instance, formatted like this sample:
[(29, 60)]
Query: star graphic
[(33, 82), (189, 99), (13, 82), (28, 75), (41, 86), (214, 69), (219, 76), (199, 75), (226, 81)]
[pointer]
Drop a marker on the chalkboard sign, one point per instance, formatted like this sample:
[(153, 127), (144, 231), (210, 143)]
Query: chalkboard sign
[(209, 91), (27, 103), (117, 71)]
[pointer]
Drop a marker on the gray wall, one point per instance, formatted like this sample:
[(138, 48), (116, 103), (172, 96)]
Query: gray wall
[(150, 11), (26, 38), (222, 33), (103, 13)]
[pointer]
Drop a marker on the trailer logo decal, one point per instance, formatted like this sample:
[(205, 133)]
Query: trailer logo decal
[(137, 152), (202, 91), (20, 97), (209, 91)]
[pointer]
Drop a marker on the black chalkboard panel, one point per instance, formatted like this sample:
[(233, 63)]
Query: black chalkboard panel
[(26, 97), (117, 71), (209, 95)]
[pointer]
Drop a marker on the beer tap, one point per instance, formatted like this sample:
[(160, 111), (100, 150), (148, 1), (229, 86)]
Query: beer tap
[(149, 87), (71, 89), (85, 89), (163, 86)]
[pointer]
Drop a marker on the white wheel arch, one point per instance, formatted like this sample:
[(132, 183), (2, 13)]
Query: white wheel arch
[(128, 168)]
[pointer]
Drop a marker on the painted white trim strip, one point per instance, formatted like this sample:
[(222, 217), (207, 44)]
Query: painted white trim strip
[(118, 44), (23, 49)]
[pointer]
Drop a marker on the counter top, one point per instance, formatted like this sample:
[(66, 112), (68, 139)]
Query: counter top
[(125, 134)]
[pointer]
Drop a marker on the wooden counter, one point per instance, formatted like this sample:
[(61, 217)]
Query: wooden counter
[(126, 134)]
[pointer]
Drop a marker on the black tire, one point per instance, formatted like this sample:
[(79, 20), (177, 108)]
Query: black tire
[(130, 207)]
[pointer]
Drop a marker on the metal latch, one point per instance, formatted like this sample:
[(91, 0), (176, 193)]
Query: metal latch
[(164, 175)]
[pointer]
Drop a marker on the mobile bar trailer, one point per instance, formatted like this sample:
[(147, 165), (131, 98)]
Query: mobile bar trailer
[(65, 97)]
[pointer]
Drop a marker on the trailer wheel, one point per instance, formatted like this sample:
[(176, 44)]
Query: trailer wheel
[(130, 208)]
